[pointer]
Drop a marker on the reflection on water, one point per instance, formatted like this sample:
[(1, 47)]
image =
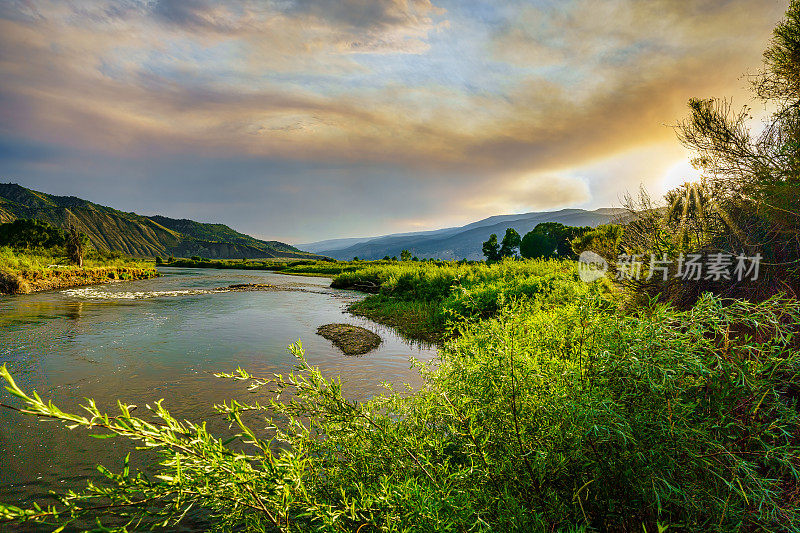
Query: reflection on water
[(164, 338)]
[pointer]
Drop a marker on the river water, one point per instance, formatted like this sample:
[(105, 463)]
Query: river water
[(164, 338)]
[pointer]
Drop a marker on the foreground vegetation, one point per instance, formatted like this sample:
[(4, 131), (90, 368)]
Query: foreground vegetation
[(560, 412)]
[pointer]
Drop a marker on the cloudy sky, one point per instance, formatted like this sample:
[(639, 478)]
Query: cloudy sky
[(303, 120)]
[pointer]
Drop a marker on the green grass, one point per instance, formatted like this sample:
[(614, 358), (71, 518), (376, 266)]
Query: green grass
[(41, 260), (426, 300), (413, 319), (24, 270)]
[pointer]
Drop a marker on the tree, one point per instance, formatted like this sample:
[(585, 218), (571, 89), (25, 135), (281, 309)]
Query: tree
[(753, 178), (568, 233), (510, 244), (491, 249), (75, 245), (543, 240), (550, 239), (537, 244), (405, 255), (691, 212)]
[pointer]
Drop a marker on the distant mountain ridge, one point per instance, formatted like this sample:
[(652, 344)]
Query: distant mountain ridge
[(139, 235), (457, 242)]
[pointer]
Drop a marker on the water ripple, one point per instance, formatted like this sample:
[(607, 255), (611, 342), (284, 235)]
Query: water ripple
[(91, 293)]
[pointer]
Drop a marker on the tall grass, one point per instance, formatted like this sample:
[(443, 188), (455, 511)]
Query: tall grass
[(41, 260), (26, 270), (436, 297)]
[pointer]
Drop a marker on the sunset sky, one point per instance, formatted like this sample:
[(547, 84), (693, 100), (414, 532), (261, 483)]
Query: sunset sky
[(302, 120)]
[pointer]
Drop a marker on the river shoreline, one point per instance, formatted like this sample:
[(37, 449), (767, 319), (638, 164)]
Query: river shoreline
[(27, 282)]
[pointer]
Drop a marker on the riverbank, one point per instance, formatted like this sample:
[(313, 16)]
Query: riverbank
[(428, 301), (23, 272), (413, 320), (65, 277), (293, 267)]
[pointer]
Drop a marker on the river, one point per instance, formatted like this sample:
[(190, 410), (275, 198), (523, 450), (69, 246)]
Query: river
[(145, 340)]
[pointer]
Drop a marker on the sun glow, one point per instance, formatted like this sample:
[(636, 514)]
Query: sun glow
[(682, 172)]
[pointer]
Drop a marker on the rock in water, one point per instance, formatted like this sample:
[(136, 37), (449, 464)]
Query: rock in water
[(352, 340), (248, 287)]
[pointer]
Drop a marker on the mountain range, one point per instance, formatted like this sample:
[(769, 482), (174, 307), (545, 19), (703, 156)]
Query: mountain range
[(138, 235), (457, 242), (147, 236)]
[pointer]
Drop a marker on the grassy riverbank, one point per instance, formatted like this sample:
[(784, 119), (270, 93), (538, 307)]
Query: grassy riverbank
[(28, 271), (429, 300)]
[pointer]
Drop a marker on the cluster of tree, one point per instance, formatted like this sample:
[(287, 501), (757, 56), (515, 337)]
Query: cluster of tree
[(548, 239), (36, 234), (31, 234), (494, 251), (551, 239)]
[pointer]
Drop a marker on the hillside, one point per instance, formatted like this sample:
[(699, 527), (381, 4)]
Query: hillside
[(459, 242), (138, 235)]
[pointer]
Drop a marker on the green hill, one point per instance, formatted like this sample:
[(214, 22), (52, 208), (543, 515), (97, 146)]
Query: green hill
[(138, 235)]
